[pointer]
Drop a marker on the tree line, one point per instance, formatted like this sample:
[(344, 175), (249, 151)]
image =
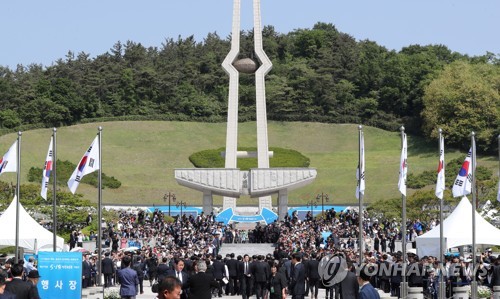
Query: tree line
[(319, 74)]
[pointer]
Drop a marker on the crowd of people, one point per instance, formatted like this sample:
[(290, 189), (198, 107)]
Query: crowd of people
[(182, 259), (18, 280), (190, 240)]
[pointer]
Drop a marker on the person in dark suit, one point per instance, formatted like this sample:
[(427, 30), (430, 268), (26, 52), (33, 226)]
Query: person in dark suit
[(21, 289), (86, 271), (3, 293), (277, 284), (200, 284), (129, 281), (245, 274), (152, 266), (232, 268), (415, 272), (383, 274), (312, 275), (33, 278), (298, 283), (139, 266), (181, 276), (108, 268), (219, 272), (396, 276), (349, 288), (261, 273), (495, 273), (72, 240), (366, 290), (162, 269)]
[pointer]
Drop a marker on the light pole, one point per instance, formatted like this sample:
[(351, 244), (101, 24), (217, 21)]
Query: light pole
[(312, 204), (324, 197), (181, 204), (169, 196)]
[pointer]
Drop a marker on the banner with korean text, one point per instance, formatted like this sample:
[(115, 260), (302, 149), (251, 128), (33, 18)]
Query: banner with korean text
[(61, 275)]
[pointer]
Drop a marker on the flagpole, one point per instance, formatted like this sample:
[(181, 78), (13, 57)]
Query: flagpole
[(54, 186), (360, 196), (403, 231), (442, 284), (473, 191), (19, 134), (99, 210)]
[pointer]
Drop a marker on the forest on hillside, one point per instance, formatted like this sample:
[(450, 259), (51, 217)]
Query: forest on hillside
[(319, 74)]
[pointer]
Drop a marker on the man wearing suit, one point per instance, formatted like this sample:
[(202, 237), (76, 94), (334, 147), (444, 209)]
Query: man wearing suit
[(383, 271), (200, 284), (33, 278), (396, 276), (107, 269), (219, 272), (495, 276), (21, 289), (349, 288), (366, 290), (298, 283), (86, 271), (138, 266), (245, 274), (3, 293), (232, 268), (162, 269), (129, 281), (181, 275), (261, 273), (312, 275)]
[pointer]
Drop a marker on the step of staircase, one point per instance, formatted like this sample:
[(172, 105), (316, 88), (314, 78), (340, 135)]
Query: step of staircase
[(247, 248)]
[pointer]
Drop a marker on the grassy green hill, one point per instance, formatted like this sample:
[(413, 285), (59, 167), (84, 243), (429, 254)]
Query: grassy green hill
[(143, 156)]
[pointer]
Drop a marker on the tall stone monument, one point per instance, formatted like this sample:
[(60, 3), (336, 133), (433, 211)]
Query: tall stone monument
[(263, 181)]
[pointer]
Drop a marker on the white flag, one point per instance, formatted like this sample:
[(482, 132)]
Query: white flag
[(463, 183), (88, 164), (440, 183), (47, 169), (360, 188), (8, 163), (403, 167)]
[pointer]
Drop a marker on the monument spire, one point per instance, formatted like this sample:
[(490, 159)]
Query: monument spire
[(263, 181)]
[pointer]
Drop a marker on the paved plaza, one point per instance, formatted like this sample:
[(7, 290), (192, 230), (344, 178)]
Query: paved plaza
[(96, 293), (237, 249)]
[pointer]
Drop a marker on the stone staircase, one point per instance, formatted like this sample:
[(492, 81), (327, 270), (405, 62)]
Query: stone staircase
[(247, 248), (92, 293)]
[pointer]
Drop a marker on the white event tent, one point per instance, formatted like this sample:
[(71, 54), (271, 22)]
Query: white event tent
[(32, 235), (457, 231)]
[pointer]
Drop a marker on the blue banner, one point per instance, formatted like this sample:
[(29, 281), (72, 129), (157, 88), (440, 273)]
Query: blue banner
[(61, 275), (228, 216), (134, 244)]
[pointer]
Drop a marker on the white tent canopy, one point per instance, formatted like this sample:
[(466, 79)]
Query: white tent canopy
[(457, 231), (31, 234)]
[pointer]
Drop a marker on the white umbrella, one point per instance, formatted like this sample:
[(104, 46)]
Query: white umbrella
[(132, 248), (79, 249)]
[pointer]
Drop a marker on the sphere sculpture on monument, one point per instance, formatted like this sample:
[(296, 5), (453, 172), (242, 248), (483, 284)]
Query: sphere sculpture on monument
[(246, 65)]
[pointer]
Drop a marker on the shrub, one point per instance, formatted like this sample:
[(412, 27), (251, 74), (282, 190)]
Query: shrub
[(282, 158)]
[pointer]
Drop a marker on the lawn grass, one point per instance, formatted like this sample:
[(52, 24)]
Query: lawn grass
[(143, 156)]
